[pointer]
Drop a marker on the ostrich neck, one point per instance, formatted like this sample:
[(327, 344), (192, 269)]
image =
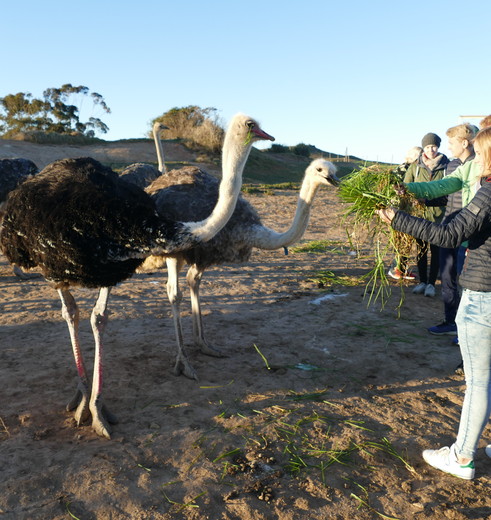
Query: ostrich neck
[(266, 238), (234, 157), (160, 150)]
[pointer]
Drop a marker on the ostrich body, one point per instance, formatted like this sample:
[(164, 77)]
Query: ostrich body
[(190, 193), (82, 225), (14, 172), (142, 174)]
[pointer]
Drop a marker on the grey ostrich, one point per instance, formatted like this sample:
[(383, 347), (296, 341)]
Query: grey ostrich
[(142, 174), (86, 227), (14, 172), (189, 193)]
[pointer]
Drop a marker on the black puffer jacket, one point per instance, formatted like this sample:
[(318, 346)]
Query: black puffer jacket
[(473, 223)]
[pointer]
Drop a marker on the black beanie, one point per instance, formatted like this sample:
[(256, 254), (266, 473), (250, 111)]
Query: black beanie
[(431, 139)]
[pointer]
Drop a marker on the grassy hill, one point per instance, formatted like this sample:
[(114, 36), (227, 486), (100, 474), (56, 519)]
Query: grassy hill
[(266, 167)]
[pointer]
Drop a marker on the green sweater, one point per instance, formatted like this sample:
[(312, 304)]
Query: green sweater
[(463, 178)]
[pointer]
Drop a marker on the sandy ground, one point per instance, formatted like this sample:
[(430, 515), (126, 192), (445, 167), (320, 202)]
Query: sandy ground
[(320, 409)]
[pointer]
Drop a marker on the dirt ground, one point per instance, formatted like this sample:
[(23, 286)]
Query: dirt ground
[(320, 409)]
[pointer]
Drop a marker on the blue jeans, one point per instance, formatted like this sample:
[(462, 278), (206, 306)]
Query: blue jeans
[(474, 326), (451, 262)]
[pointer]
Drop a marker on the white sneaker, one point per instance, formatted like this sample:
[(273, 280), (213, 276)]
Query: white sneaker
[(430, 291), (420, 288), (445, 460), (488, 450)]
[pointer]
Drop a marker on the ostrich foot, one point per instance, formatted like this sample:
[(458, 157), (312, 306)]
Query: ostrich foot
[(80, 403), (101, 418), (210, 351), (183, 366)]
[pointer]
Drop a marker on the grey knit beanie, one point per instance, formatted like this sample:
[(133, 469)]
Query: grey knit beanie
[(431, 139)]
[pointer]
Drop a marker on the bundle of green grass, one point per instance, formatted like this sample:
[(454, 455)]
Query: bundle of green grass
[(366, 191)]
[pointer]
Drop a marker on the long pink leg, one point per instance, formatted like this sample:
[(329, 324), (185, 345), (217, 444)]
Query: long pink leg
[(182, 365), (193, 278), (101, 417), (70, 313)]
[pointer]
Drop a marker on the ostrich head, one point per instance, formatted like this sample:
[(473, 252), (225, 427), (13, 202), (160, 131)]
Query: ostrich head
[(321, 171), (158, 126), (246, 130)]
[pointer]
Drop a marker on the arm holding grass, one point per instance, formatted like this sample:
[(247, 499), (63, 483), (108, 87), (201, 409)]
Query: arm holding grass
[(474, 219), (463, 178)]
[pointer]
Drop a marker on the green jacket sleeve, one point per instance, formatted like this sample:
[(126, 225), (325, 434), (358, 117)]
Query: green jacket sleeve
[(434, 189)]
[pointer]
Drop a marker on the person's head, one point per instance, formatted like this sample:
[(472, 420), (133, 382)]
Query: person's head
[(485, 122), (482, 147), (430, 144), (413, 154), (460, 139)]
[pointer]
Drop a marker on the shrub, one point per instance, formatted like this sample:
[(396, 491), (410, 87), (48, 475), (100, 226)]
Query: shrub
[(278, 148), (199, 127), (301, 149)]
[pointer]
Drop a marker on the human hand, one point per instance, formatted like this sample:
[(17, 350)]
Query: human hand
[(400, 189), (386, 214)]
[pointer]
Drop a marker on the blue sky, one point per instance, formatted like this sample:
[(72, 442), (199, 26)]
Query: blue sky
[(368, 77)]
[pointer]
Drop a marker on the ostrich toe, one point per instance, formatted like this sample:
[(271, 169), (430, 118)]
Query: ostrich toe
[(184, 367), (80, 403), (101, 418), (211, 351)]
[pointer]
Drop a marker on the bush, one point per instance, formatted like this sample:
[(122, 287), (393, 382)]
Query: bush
[(278, 148), (200, 127), (301, 149)]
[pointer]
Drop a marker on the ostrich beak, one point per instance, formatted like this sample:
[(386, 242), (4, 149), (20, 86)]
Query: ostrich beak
[(333, 179), (262, 134)]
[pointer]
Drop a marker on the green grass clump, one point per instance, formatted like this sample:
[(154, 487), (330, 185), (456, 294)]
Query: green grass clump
[(368, 190), (318, 246), (326, 278)]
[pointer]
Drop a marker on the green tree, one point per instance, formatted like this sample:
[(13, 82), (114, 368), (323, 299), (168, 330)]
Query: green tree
[(53, 113)]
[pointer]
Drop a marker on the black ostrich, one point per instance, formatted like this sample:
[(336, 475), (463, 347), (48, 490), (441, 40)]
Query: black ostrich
[(142, 174), (84, 226), (188, 194), (14, 172)]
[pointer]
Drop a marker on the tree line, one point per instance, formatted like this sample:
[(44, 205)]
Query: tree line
[(53, 113)]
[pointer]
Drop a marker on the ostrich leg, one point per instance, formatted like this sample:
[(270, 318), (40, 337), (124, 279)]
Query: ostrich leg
[(182, 365), (101, 417), (193, 278), (69, 311)]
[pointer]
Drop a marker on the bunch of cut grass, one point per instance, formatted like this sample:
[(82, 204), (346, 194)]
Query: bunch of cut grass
[(368, 190)]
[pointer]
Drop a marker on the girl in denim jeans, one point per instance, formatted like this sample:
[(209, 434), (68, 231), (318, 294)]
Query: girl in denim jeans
[(473, 223)]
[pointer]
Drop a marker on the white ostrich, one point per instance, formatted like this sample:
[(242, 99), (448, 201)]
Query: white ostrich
[(189, 193), (85, 226), (142, 174)]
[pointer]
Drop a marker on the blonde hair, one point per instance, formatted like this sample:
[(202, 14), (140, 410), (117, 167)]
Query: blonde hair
[(485, 122), (483, 139), (413, 154), (464, 131)]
